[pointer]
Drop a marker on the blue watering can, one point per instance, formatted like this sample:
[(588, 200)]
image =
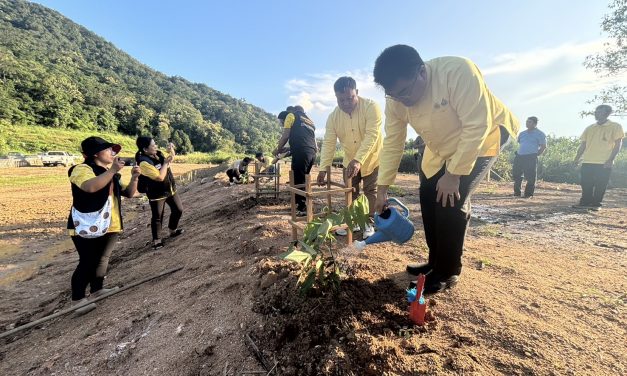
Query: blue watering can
[(392, 225)]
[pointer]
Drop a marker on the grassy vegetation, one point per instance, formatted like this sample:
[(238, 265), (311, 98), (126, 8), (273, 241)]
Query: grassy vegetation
[(33, 181), (396, 191), (35, 139)]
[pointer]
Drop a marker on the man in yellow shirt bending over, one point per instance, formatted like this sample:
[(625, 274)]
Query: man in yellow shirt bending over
[(464, 127), (600, 144), (356, 122)]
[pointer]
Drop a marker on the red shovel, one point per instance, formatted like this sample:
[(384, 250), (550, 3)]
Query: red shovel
[(417, 310)]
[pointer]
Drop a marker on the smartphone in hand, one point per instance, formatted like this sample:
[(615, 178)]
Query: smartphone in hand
[(128, 161)]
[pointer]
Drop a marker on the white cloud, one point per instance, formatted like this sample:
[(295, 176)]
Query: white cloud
[(520, 62)]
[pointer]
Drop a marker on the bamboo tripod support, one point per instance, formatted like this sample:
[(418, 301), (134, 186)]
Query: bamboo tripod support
[(265, 188), (331, 188)]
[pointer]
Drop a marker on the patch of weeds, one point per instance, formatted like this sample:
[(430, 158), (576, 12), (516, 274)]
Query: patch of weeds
[(396, 191)]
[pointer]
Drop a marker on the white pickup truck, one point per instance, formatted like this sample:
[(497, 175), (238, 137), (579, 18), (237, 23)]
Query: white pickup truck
[(56, 158)]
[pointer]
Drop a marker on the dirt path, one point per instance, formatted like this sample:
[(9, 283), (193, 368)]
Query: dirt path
[(542, 292)]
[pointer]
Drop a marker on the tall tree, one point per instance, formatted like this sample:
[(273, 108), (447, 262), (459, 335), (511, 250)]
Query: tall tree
[(613, 60)]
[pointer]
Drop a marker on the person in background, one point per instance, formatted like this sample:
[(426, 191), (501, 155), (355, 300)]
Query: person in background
[(464, 126), (300, 131), (237, 169), (356, 123), (160, 187), (93, 183), (532, 144), (600, 144), (265, 166)]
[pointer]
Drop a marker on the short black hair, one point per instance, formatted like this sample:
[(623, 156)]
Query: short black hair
[(533, 118), (606, 107), (259, 155), (247, 160), (282, 115), (344, 84), (143, 142), (394, 63), (299, 109), (290, 109)]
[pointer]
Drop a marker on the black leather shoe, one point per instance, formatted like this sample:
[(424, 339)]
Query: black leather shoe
[(436, 286), (417, 269), (429, 278)]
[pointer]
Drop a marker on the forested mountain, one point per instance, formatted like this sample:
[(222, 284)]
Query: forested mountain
[(58, 74)]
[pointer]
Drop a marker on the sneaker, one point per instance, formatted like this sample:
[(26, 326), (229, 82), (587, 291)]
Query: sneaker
[(437, 286), (102, 292), (368, 231), (231, 184), (417, 269), (177, 232), (157, 245), (528, 196), (301, 213), (517, 194)]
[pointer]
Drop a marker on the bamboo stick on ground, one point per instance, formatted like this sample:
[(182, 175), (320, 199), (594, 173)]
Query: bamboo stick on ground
[(87, 303)]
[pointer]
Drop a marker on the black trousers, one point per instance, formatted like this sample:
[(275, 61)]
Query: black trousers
[(527, 166), (233, 174), (93, 259), (158, 208), (594, 180), (445, 227), (302, 162)]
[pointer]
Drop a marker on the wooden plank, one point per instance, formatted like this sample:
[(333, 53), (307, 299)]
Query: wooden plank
[(330, 192), (300, 225), (329, 203), (293, 206)]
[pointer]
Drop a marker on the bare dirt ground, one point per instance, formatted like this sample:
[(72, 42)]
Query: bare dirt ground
[(543, 291)]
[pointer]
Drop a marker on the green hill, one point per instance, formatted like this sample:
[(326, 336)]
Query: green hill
[(58, 74)]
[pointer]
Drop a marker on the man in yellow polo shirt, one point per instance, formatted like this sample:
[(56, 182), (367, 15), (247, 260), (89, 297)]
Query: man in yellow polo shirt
[(600, 143), (356, 122), (464, 127)]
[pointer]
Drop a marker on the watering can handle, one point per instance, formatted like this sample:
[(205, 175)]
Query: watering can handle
[(405, 209)]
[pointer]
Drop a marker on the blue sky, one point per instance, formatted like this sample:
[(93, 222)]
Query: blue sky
[(276, 53)]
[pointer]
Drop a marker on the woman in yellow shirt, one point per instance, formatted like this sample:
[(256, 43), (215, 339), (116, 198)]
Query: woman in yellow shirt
[(94, 182), (158, 183)]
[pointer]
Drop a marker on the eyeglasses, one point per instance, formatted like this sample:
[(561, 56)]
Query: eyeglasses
[(110, 149), (407, 92)]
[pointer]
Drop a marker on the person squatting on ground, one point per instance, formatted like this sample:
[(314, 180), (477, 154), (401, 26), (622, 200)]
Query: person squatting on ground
[(532, 144), (299, 130), (158, 183), (265, 166), (464, 126), (356, 123), (600, 144), (237, 169), (96, 189)]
